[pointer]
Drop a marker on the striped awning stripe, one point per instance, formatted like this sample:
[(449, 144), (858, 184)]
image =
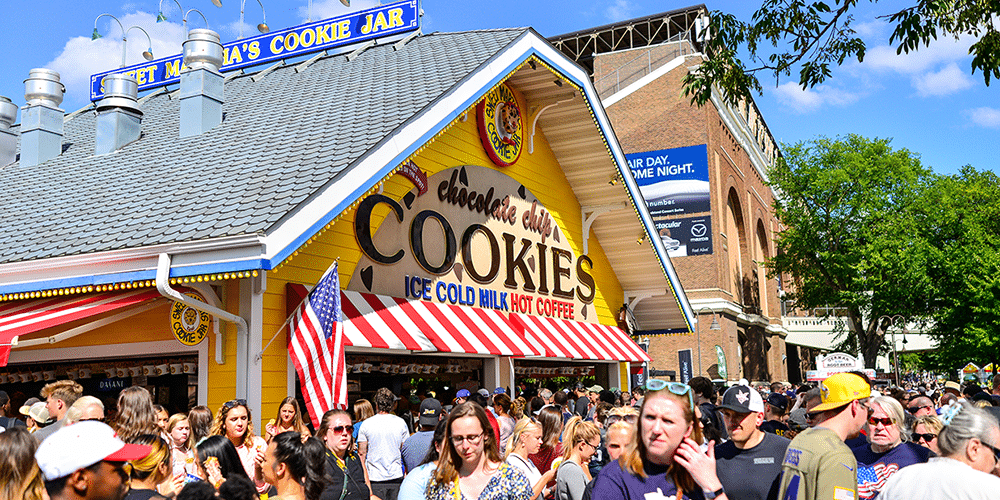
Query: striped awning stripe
[(24, 317), (568, 339)]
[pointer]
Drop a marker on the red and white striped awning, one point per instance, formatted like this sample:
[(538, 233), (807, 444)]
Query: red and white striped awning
[(394, 323), (20, 318), (562, 338)]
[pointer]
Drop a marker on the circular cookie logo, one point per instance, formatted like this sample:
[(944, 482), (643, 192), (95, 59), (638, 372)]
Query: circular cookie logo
[(501, 126), (188, 325)]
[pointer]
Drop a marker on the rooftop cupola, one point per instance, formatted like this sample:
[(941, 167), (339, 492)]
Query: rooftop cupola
[(41, 117), (8, 138), (201, 83), (119, 119)]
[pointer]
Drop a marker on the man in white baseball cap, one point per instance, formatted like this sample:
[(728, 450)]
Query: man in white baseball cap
[(86, 461)]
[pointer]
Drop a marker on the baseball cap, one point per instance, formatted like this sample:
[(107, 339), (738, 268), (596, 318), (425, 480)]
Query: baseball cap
[(840, 389), (778, 401), (499, 390), (430, 411), (742, 399), (463, 393), (595, 388), (485, 393), (39, 413), (83, 444), (26, 407)]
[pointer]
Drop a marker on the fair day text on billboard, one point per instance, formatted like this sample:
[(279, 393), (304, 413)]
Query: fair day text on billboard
[(673, 181), (349, 29)]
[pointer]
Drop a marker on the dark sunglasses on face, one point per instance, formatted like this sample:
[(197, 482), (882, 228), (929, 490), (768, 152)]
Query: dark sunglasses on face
[(915, 409), (996, 452), (813, 416), (886, 421), (916, 437)]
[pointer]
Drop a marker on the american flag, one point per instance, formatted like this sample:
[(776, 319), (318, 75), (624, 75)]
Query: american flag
[(316, 347)]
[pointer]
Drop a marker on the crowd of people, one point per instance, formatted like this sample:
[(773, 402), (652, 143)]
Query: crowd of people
[(667, 440)]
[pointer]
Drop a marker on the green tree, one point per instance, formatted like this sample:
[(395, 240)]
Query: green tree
[(851, 238), (810, 36)]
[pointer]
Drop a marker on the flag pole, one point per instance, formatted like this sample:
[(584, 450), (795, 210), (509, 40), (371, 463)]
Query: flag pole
[(260, 355)]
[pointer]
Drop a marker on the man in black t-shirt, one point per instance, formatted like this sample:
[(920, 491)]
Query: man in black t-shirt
[(774, 414), (749, 464)]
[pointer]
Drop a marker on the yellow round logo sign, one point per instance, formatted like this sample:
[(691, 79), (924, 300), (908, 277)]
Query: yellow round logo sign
[(501, 125), (188, 324)]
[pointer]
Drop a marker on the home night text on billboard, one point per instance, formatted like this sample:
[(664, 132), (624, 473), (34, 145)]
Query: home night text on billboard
[(673, 181), (391, 19)]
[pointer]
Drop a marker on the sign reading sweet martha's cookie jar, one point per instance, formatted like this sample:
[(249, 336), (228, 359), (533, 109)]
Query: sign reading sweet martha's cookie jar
[(188, 324), (477, 238), (501, 125)]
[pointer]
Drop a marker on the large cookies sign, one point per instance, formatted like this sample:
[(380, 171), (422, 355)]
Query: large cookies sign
[(478, 238)]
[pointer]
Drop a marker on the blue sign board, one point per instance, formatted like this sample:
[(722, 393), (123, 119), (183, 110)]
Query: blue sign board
[(673, 181), (686, 236), (381, 21)]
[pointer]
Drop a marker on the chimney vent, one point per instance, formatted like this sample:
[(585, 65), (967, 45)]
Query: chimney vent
[(41, 118), (119, 119), (8, 139), (201, 83)]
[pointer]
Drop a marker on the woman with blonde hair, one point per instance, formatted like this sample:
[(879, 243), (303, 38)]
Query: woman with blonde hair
[(234, 422), (363, 410), (470, 465), (181, 445), (888, 450), (20, 477), (289, 419), (135, 414), (665, 457), (525, 440), (926, 430), (149, 476), (580, 441)]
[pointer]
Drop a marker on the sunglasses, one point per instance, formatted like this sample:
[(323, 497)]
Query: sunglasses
[(813, 416), (996, 452), (915, 409), (916, 437), (886, 421), (233, 403), (618, 418), (678, 388), (341, 429)]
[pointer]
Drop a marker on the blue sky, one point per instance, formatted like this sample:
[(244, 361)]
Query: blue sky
[(927, 102)]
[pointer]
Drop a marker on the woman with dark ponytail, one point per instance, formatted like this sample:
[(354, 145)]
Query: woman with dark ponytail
[(287, 466)]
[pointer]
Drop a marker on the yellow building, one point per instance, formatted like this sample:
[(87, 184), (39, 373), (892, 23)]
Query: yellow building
[(468, 185)]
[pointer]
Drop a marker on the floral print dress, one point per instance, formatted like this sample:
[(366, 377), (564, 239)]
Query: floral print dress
[(509, 483)]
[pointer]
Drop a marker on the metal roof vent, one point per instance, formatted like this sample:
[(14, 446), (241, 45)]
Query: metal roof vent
[(201, 83), (41, 118), (119, 119), (8, 138)]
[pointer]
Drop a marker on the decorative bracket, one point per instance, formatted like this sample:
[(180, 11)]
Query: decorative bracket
[(633, 297), (590, 214), (537, 108)]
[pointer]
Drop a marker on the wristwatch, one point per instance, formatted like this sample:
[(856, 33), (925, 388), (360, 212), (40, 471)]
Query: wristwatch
[(709, 495)]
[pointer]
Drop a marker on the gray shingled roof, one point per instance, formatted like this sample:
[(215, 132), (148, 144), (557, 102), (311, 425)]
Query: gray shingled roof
[(282, 138)]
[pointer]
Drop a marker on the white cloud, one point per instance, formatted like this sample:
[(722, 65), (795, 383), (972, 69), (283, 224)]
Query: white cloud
[(82, 57), (325, 9), (870, 29), (803, 100), (619, 11), (948, 80), (984, 117), (940, 51)]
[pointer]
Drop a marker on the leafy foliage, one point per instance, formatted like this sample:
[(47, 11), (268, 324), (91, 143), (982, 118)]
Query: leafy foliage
[(813, 36)]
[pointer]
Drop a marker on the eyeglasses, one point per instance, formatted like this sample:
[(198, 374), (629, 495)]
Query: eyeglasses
[(886, 421), (915, 409), (996, 452), (916, 437), (655, 384), (813, 416), (457, 440), (595, 447), (341, 428), (618, 418), (234, 402)]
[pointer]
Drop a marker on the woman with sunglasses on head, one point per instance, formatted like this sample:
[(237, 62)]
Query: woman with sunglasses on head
[(887, 450), (470, 467), (348, 478), (525, 441), (289, 419), (665, 457), (234, 422), (925, 432), (580, 441)]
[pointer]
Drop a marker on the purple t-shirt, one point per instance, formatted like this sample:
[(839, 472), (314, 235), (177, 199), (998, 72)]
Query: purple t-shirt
[(613, 483), (874, 469)]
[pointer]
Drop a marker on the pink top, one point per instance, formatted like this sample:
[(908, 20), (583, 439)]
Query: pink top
[(247, 455)]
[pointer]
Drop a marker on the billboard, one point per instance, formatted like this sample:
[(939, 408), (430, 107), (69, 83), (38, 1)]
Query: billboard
[(673, 181), (686, 236)]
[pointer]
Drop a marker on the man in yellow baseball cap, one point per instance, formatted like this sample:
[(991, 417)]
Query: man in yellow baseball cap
[(818, 465)]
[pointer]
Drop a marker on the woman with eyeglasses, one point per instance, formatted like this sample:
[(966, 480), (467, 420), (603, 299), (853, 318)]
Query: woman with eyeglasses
[(470, 466), (887, 451), (925, 432), (151, 475), (289, 419), (665, 457), (234, 422), (525, 441), (348, 478), (580, 441)]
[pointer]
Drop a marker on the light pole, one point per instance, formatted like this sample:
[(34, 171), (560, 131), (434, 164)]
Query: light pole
[(697, 327), (147, 54), (894, 321), (262, 27)]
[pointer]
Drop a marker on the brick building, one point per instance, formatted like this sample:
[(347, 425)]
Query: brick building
[(637, 67)]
